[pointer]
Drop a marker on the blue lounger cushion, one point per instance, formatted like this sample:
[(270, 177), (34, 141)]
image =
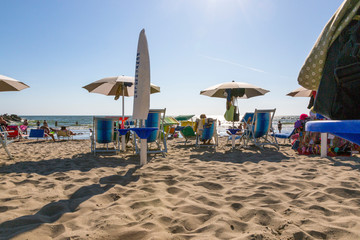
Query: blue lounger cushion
[(285, 135), (282, 135), (347, 129)]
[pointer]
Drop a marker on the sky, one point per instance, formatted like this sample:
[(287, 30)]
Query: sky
[(57, 47)]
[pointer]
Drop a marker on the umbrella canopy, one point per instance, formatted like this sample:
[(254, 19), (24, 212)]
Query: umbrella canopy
[(312, 70), (110, 85), (300, 92), (10, 84), (220, 89), (184, 117), (170, 121)]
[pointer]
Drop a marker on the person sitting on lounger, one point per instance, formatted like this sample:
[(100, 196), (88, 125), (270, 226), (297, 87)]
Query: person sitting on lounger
[(48, 132), (63, 128), (64, 131)]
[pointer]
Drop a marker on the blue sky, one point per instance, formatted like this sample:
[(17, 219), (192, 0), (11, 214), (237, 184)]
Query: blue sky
[(56, 47)]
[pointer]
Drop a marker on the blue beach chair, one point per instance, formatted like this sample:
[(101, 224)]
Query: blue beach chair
[(258, 131), (103, 133), (156, 118), (285, 135), (246, 117), (206, 132), (37, 133)]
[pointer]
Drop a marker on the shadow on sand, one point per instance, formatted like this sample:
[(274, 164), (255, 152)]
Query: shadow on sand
[(53, 211), (82, 162)]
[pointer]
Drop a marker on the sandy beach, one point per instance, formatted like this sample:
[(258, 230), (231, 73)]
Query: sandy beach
[(59, 190)]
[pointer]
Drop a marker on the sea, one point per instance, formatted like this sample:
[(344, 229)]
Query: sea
[(81, 125)]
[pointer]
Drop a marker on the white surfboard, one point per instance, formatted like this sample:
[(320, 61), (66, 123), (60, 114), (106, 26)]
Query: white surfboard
[(142, 79)]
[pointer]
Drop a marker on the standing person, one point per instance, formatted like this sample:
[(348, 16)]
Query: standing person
[(279, 126), (38, 124), (45, 124), (55, 123), (25, 126)]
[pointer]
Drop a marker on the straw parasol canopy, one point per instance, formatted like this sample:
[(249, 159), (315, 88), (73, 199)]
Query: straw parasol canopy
[(8, 84)]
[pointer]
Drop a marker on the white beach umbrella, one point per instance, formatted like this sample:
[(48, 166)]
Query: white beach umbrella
[(9, 84), (109, 86), (220, 89), (300, 92), (117, 86), (237, 90)]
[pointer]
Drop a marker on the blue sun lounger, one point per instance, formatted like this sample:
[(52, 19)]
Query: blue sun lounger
[(103, 133), (347, 129), (258, 131), (285, 135), (158, 138)]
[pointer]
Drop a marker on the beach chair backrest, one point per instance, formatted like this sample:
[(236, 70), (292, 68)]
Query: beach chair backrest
[(247, 116), (104, 130), (63, 133), (37, 133), (208, 130), (153, 120), (13, 131), (188, 131), (262, 122)]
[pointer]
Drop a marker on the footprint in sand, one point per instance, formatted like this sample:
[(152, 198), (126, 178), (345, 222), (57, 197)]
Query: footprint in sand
[(68, 186), (236, 206), (177, 191), (321, 210), (141, 204), (344, 192), (56, 230), (210, 185), (6, 208)]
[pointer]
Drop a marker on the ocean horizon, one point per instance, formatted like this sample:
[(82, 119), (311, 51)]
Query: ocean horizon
[(82, 124)]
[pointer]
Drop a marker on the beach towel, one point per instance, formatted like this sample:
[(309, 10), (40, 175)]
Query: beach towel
[(229, 114)]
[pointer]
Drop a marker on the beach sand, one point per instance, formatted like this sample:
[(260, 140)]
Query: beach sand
[(59, 190)]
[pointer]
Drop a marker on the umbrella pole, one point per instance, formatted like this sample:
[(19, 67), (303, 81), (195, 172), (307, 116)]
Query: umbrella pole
[(123, 146)]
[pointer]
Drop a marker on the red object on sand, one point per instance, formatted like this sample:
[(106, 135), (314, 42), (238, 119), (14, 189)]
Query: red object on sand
[(123, 121), (13, 131)]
